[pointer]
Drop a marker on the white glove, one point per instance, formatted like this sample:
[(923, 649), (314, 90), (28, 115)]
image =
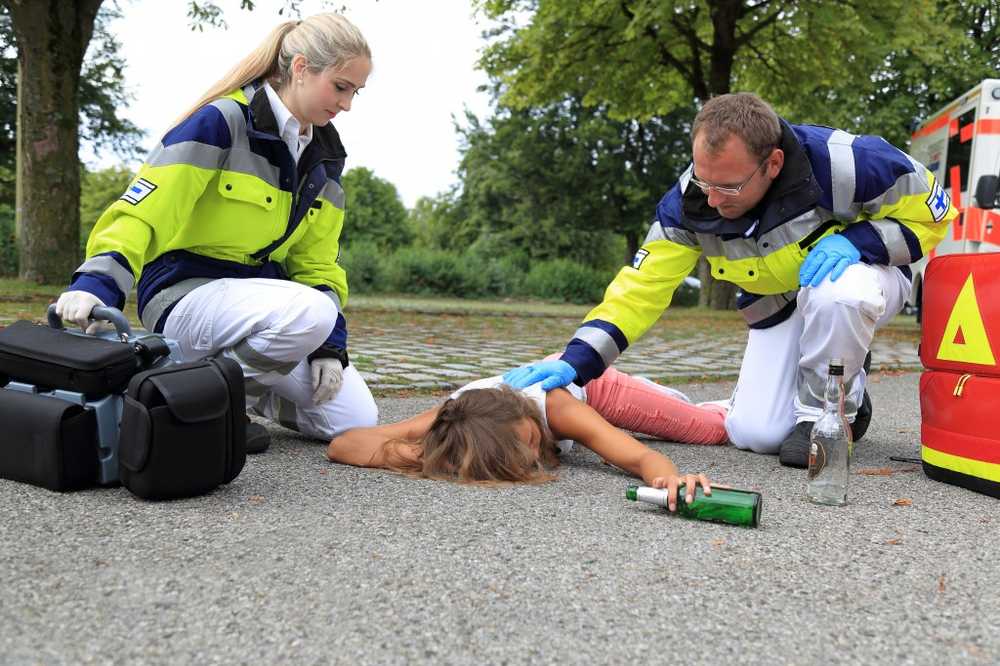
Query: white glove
[(328, 377), (76, 306)]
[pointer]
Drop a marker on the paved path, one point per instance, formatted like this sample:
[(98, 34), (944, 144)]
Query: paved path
[(299, 561), (428, 356)]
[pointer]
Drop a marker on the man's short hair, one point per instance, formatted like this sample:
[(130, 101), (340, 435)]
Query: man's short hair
[(743, 114)]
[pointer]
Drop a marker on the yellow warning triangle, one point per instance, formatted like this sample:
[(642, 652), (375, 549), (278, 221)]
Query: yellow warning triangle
[(964, 337)]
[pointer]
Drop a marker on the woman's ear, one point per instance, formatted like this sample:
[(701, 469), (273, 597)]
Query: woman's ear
[(299, 66)]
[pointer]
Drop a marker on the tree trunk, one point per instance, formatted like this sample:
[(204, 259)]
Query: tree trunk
[(52, 37), (716, 294)]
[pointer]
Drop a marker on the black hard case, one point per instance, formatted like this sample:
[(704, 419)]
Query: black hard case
[(183, 430), (55, 359)]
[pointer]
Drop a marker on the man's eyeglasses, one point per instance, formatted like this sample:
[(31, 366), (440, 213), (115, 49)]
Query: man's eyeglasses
[(728, 190)]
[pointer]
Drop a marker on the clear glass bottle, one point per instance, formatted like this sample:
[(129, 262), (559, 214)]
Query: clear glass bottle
[(724, 505), (830, 444)]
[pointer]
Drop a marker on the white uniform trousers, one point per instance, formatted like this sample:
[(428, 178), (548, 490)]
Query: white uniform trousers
[(784, 370), (269, 327)]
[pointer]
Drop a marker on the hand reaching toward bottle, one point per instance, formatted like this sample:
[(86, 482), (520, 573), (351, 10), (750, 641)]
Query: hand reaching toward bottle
[(689, 481)]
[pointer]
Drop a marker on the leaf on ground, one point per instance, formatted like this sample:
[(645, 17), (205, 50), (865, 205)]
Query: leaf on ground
[(255, 499), (719, 542), (941, 583), (903, 501), (894, 542)]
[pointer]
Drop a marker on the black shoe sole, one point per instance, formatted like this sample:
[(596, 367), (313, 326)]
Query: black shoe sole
[(258, 438)]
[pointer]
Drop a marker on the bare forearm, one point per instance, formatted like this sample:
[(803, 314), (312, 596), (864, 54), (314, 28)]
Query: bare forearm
[(654, 465)]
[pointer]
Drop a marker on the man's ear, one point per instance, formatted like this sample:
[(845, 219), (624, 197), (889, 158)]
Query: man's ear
[(775, 162)]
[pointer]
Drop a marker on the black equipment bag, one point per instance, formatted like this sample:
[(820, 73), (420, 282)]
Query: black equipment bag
[(183, 429), (47, 442), (55, 359)]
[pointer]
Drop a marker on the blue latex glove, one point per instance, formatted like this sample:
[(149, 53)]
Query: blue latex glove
[(831, 255), (552, 374)]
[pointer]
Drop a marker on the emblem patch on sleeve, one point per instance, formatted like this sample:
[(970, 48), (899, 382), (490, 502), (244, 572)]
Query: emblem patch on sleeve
[(639, 257), (938, 202), (138, 190)]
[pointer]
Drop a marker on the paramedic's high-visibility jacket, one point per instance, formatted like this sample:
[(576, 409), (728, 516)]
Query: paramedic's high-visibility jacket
[(885, 202), (221, 196)]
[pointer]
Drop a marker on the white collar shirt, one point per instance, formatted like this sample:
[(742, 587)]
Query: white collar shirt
[(289, 127)]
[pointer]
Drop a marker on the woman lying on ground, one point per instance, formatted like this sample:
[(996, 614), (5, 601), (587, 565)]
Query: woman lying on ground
[(489, 432)]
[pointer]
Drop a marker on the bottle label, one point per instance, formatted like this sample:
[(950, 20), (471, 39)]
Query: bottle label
[(817, 459)]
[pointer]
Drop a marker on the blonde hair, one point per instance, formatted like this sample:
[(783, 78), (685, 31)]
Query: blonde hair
[(325, 40), (473, 439), (744, 114)]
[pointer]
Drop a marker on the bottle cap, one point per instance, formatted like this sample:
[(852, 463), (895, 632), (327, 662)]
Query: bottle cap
[(836, 366), (630, 493)]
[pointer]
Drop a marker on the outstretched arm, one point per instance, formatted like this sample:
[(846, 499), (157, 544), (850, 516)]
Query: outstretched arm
[(365, 447), (570, 418)]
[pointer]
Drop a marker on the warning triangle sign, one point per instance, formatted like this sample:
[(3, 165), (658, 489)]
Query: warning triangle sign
[(964, 338)]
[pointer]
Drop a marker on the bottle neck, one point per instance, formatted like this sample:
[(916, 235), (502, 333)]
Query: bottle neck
[(834, 399)]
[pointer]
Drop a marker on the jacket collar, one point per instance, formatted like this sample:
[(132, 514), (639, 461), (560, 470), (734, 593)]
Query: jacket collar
[(326, 138), (793, 192)]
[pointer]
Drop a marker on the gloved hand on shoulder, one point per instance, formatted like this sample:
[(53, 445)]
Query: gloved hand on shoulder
[(831, 255), (552, 374)]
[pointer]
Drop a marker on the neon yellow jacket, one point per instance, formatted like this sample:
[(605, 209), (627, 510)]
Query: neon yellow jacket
[(221, 196), (886, 203)]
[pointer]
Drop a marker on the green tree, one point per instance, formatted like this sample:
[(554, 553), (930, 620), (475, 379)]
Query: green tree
[(51, 38), (647, 58), (440, 222), (99, 190), (565, 180), (374, 211)]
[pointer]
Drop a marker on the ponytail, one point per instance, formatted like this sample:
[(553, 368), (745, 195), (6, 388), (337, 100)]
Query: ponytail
[(326, 40)]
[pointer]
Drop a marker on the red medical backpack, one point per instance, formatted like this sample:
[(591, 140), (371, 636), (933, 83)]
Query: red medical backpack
[(960, 389)]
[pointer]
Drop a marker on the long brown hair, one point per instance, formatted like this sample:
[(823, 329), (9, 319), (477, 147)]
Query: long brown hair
[(326, 40), (474, 439)]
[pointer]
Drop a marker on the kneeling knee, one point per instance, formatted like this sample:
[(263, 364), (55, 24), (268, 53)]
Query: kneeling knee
[(754, 436)]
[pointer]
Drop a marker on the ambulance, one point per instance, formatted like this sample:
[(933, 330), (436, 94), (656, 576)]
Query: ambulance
[(960, 144)]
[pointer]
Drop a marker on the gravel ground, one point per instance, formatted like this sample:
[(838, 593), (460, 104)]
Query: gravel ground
[(301, 561)]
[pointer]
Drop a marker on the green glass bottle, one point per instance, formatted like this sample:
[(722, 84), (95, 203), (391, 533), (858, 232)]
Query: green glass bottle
[(724, 505)]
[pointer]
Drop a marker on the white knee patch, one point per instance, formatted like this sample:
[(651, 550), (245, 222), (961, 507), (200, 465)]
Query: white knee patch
[(857, 288), (753, 435)]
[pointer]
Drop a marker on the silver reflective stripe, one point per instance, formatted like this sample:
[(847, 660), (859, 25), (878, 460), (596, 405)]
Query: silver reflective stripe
[(679, 236), (253, 388), (250, 163), (105, 265), (600, 341), (655, 233), (191, 153), (158, 304), (288, 414), (231, 111), (842, 175), (906, 185), (734, 248), (793, 231), (892, 235), (254, 359), (767, 306), (332, 295), (333, 193)]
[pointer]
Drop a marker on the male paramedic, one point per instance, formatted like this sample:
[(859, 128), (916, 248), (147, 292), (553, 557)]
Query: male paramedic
[(816, 226)]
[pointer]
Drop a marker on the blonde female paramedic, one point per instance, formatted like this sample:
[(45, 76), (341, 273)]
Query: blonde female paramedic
[(230, 232)]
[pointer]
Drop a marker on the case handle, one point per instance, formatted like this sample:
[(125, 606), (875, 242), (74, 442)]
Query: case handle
[(99, 313)]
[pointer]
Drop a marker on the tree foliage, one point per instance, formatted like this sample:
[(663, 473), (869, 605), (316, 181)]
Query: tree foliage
[(374, 211), (565, 180)]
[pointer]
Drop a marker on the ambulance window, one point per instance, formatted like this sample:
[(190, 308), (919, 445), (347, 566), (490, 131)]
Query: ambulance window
[(960, 149)]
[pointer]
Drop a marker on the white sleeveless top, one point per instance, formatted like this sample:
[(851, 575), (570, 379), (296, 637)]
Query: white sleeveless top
[(535, 393)]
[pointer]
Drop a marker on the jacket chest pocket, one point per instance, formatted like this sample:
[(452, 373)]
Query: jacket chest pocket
[(253, 206)]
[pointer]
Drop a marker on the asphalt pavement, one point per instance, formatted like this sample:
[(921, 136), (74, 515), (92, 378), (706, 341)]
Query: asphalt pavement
[(302, 561)]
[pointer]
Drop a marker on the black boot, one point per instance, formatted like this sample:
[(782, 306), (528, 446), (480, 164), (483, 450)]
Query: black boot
[(258, 438), (862, 418), (794, 450)]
